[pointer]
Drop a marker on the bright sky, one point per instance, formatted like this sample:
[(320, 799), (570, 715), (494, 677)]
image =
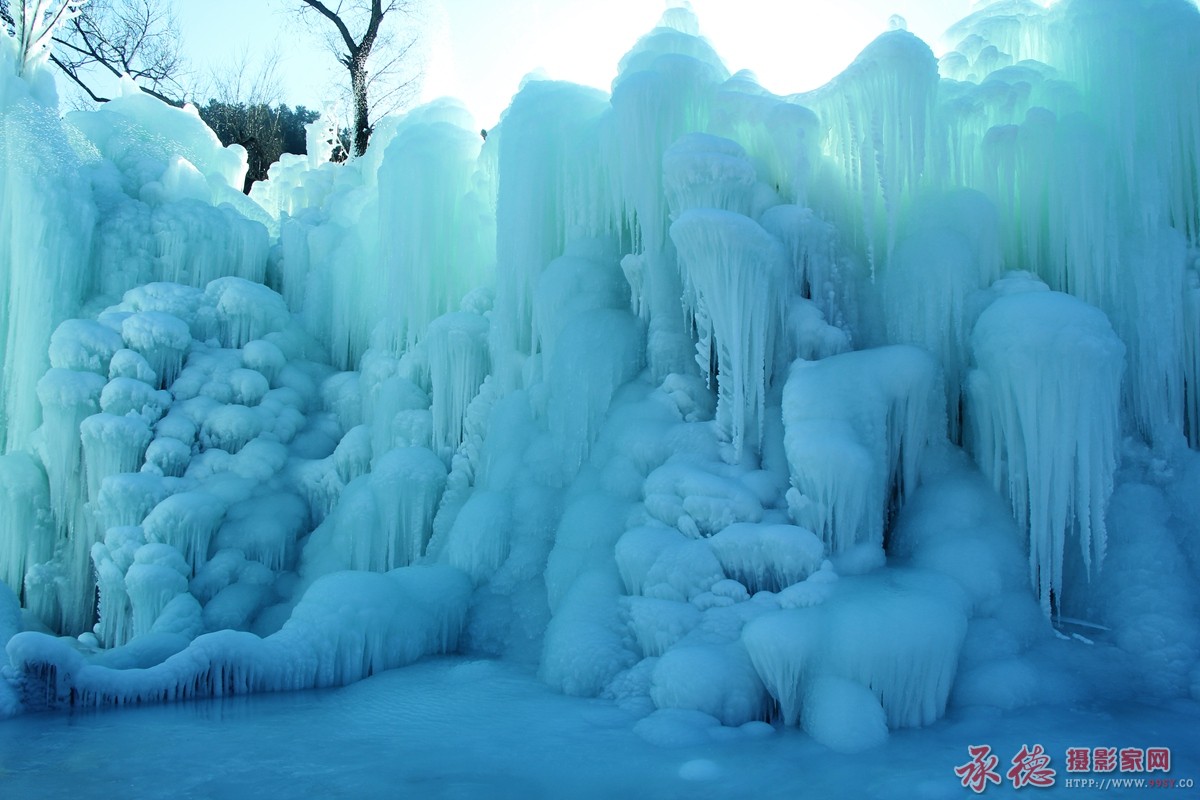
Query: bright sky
[(478, 50)]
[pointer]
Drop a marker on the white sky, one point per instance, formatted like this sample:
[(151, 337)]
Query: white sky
[(478, 50)]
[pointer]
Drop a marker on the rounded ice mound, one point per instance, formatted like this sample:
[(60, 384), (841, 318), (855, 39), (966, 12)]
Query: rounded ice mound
[(67, 388), (235, 607), (717, 680), (83, 344), (122, 396), (680, 17), (265, 529), (638, 549), (677, 727), (767, 557), (126, 363), (176, 425), (229, 428), (248, 386), (691, 496), (705, 171), (158, 575), (187, 521), (175, 299), (112, 444), (843, 715), (168, 457), (264, 357), (161, 338), (478, 542), (125, 499), (247, 310)]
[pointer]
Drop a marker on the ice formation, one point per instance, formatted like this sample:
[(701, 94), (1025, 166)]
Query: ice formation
[(724, 406), (856, 429), (1052, 453)]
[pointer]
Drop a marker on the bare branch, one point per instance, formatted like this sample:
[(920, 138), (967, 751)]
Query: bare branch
[(333, 17), (70, 73), (139, 38)]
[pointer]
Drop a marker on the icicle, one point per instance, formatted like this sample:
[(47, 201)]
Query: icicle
[(187, 521), (811, 246), (112, 558), (432, 250), (26, 533), (737, 270), (162, 339), (596, 353), (158, 574), (1043, 407), (1191, 356), (111, 445), (879, 121), (952, 244), (408, 483), (459, 361), (545, 192), (856, 429)]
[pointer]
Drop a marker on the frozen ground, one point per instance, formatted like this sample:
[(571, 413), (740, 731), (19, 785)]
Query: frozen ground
[(452, 728)]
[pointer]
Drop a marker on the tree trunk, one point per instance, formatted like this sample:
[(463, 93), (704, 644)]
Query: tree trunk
[(355, 60), (362, 122)]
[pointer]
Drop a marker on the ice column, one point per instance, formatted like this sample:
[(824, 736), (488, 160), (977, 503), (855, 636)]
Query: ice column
[(407, 484), (26, 532), (546, 142), (663, 91), (68, 398), (879, 125), (434, 226)]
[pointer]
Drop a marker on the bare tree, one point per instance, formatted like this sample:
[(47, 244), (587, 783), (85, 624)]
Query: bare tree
[(245, 108), (138, 38), (360, 42)]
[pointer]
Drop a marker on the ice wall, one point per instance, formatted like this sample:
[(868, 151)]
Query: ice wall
[(373, 252), (1086, 160), (46, 218), (878, 117), (545, 193)]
